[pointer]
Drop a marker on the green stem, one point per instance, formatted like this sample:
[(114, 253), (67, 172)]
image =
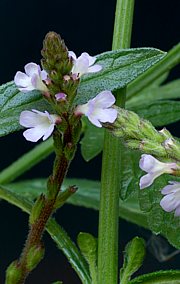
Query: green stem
[(27, 161), (111, 165), (60, 237)]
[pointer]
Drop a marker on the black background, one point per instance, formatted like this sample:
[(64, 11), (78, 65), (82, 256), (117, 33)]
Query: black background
[(85, 26)]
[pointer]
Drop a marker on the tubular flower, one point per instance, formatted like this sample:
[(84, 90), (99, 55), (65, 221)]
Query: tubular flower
[(84, 64), (32, 79), (171, 200), (154, 169), (41, 124), (99, 109)]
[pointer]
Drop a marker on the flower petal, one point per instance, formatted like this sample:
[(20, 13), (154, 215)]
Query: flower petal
[(146, 181), (106, 115), (21, 79), (95, 68), (44, 75), (48, 132), (30, 119), (34, 134), (32, 68), (147, 162), (72, 54), (168, 203), (104, 99), (91, 59)]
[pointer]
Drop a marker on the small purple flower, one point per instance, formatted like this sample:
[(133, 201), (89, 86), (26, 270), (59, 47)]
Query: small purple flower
[(154, 169), (32, 79), (41, 124), (171, 200), (84, 64), (60, 97), (99, 109)]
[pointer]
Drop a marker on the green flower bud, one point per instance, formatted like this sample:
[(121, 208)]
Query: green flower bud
[(148, 130), (37, 208), (34, 256), (13, 273), (172, 146)]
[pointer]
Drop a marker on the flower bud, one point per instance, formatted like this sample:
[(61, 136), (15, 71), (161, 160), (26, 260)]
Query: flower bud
[(37, 208), (13, 273), (34, 256)]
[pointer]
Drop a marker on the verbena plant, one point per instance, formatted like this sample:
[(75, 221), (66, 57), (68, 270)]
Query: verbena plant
[(83, 99)]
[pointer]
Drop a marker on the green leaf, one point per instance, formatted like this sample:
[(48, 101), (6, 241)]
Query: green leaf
[(155, 93), (160, 222), (130, 174), (133, 258), (159, 277), (88, 195), (92, 142), (120, 67), (59, 236), (13, 102), (88, 246), (155, 72), (159, 113)]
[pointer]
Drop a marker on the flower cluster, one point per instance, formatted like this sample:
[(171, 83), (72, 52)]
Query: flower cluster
[(41, 124), (155, 168)]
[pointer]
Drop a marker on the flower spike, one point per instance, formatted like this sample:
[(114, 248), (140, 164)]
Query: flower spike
[(154, 169), (32, 79), (84, 64), (171, 200), (99, 109), (41, 124)]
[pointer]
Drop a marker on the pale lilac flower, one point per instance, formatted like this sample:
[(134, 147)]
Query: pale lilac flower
[(99, 109), (32, 79), (154, 169), (60, 97), (41, 124), (84, 64), (171, 200)]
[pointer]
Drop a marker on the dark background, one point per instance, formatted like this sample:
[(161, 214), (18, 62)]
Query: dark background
[(85, 26)]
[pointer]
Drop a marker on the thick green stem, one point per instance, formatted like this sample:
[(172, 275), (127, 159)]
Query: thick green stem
[(111, 165)]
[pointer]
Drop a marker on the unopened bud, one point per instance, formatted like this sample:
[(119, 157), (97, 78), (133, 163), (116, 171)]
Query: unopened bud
[(37, 208), (13, 273), (34, 256)]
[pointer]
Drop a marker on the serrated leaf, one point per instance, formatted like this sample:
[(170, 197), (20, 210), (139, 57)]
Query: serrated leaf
[(159, 113), (160, 222), (88, 195), (119, 68), (159, 277), (133, 258)]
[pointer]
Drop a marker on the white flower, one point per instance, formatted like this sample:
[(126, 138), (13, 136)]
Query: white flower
[(171, 200), (99, 109), (154, 169), (84, 64), (41, 124), (32, 79)]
